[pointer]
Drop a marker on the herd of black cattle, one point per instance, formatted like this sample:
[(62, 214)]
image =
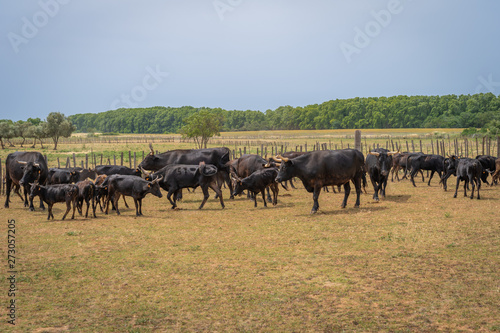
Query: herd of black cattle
[(212, 168)]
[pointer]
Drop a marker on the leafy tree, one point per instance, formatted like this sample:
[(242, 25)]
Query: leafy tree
[(37, 132), (202, 126), (6, 131), (58, 125), (22, 129)]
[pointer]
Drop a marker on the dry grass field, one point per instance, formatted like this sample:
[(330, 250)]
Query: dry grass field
[(417, 261)]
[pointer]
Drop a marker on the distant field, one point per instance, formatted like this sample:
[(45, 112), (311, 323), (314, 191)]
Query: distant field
[(417, 261)]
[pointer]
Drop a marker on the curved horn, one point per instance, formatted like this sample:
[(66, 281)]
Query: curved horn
[(374, 153), (392, 152), (144, 171), (36, 164), (281, 158), (267, 165), (151, 148), (22, 162), (157, 180)]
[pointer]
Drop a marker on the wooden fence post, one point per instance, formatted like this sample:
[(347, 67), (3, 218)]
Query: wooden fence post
[(357, 140), (74, 160)]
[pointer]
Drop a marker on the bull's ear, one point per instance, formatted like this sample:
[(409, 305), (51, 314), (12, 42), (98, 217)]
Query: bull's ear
[(39, 171)]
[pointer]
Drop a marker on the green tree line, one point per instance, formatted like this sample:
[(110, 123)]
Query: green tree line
[(448, 111)]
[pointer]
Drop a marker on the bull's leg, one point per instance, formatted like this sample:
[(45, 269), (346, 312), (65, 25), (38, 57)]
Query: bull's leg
[(357, 186), (50, 212), (264, 195), (456, 188), (291, 183), (87, 201), (204, 189), (94, 206), (136, 207), (412, 174), (107, 204), (140, 206), (74, 206), (316, 193), (169, 197), (18, 188), (478, 187), (79, 206), (8, 184), (116, 196), (466, 185), (430, 178), (178, 195), (125, 202), (255, 198), (375, 189), (219, 193), (275, 189), (383, 185), (473, 183), (269, 199), (347, 190)]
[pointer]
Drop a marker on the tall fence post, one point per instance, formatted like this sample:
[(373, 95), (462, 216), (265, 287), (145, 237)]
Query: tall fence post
[(357, 140)]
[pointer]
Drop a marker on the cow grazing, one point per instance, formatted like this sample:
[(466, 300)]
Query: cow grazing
[(87, 193), (433, 163), (258, 182), (470, 171), (219, 157), (378, 164), (21, 169), (323, 168), (132, 186), (178, 176), (489, 166), (117, 170), (51, 194), (62, 176)]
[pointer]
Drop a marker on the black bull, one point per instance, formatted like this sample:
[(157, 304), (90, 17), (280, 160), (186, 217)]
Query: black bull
[(323, 168), (219, 157), (23, 168), (378, 165)]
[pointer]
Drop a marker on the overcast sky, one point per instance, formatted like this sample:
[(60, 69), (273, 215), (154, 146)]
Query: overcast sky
[(92, 56)]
